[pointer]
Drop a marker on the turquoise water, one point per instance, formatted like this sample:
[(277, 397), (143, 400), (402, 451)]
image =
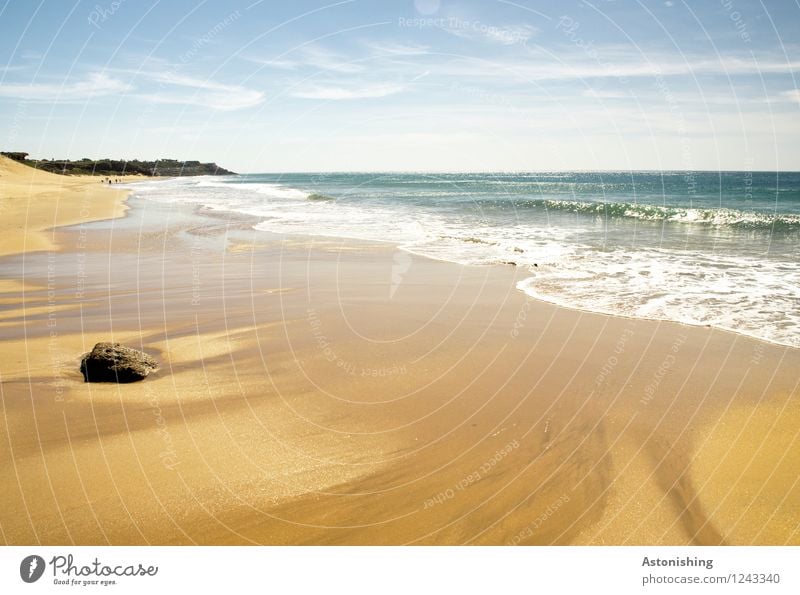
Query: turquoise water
[(649, 195), (716, 248)]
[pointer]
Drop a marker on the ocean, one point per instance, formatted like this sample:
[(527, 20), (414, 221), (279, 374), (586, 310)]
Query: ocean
[(703, 248)]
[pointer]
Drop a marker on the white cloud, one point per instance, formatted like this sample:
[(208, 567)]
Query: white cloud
[(339, 93), (276, 63), (324, 59), (595, 94), (397, 49), (234, 98), (612, 62), (198, 91), (504, 35), (312, 56), (95, 85), (793, 95)]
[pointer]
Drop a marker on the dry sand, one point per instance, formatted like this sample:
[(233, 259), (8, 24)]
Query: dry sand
[(34, 201), (306, 397)]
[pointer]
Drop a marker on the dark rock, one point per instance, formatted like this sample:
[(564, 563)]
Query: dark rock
[(511, 262), (112, 362)]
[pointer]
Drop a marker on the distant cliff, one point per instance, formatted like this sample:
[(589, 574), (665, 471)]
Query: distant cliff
[(120, 167)]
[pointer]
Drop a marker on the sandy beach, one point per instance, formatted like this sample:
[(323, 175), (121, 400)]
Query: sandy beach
[(310, 394), (36, 201)]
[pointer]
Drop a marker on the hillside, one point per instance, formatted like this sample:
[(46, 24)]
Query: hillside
[(120, 167)]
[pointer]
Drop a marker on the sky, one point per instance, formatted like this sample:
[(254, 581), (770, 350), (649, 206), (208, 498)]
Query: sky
[(406, 85)]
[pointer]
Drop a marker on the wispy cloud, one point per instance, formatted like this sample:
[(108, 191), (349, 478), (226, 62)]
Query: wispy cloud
[(392, 48), (340, 93), (406, 60), (235, 98), (95, 85), (324, 59), (611, 62), (314, 57), (685, 101), (171, 88), (793, 95), (500, 34), (201, 92), (603, 94)]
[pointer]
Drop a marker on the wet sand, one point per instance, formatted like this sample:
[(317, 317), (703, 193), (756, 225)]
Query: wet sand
[(317, 391)]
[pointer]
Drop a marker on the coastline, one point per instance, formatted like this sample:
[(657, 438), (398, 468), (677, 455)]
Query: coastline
[(35, 202), (307, 397)]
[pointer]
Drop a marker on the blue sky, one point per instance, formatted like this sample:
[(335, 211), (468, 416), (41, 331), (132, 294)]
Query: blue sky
[(421, 85)]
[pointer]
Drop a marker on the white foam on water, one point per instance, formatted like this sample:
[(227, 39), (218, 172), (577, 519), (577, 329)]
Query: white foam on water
[(745, 295), (759, 297)]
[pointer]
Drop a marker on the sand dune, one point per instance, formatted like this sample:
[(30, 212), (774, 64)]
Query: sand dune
[(34, 202)]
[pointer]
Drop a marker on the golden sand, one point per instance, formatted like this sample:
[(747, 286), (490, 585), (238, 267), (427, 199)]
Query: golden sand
[(35, 201), (303, 398), (755, 451)]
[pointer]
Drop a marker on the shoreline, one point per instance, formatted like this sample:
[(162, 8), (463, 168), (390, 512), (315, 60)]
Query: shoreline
[(204, 211), (720, 329), (257, 431), (33, 206)]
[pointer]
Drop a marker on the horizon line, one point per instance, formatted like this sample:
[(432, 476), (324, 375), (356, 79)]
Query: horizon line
[(518, 171)]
